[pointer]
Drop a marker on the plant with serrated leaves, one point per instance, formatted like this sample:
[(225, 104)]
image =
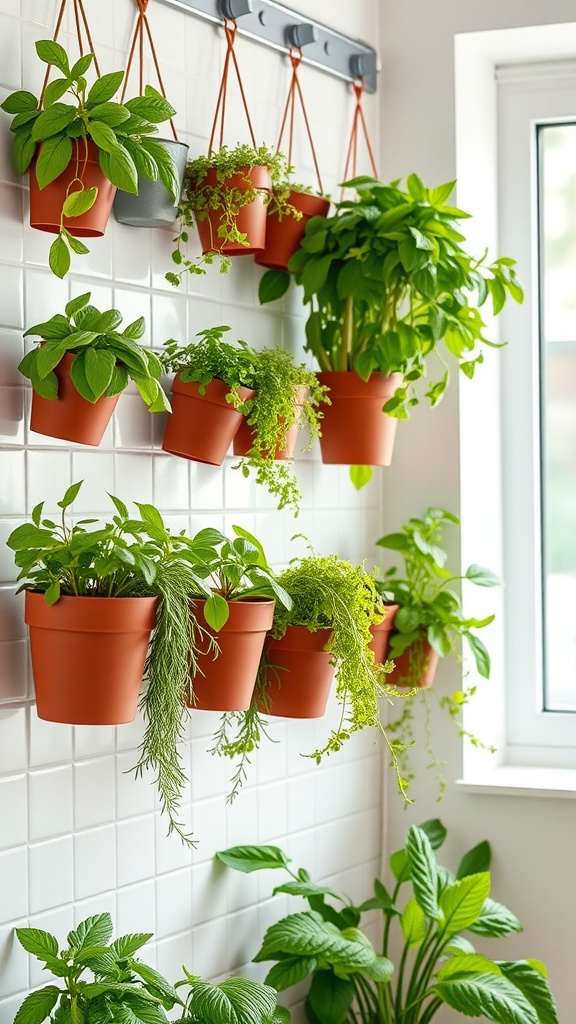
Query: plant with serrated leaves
[(437, 965), (233, 1001), (286, 394), (105, 357), (201, 198), (98, 980), (128, 557), (120, 131), (390, 284)]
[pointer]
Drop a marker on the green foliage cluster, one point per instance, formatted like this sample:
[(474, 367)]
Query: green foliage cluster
[(350, 983), (103, 981), (390, 284), (106, 358), (275, 406), (120, 131), (199, 199)]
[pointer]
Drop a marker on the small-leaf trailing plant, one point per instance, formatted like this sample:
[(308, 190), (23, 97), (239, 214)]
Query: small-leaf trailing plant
[(276, 406), (200, 198), (390, 285), (326, 592), (106, 357), (120, 131), (128, 557), (430, 611), (437, 964)]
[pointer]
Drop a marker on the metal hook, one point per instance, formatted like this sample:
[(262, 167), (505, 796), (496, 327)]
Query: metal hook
[(363, 65), (236, 8), (301, 35)]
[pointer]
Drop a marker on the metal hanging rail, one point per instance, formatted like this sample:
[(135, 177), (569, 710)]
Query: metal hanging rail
[(274, 25)]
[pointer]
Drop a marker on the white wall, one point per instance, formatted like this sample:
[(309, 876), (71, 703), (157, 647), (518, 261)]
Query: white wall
[(532, 838), (77, 835)]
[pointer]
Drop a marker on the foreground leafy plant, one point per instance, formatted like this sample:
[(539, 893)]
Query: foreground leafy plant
[(233, 1001), (438, 965)]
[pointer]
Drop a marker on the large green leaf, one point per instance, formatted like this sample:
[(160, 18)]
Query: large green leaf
[(104, 88), (413, 923), (34, 940), (99, 366), (290, 971), (330, 997), (53, 159), (96, 930), (48, 356), (462, 902), (477, 859), (52, 53), (38, 1005), (273, 285), (307, 934), (119, 168), (306, 889), (20, 101), (79, 379), (216, 612), (79, 202), (481, 655), (466, 964), (59, 257), (234, 1001), (165, 168), (23, 151), (495, 920), (423, 870), (53, 120), (253, 858), (482, 577), (487, 995), (534, 986)]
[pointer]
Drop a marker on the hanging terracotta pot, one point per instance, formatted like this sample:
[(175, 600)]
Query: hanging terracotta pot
[(355, 431), (244, 436), (381, 634), (415, 667), (251, 220), (46, 203), (88, 656), (153, 207), (300, 675), (226, 683), (202, 427), (70, 416), (284, 235)]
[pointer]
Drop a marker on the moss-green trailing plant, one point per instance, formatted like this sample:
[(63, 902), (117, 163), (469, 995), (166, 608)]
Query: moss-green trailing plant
[(120, 131), (127, 557), (232, 1001), (437, 964), (95, 979), (430, 610), (200, 198), (391, 287), (106, 357), (326, 592), (276, 406)]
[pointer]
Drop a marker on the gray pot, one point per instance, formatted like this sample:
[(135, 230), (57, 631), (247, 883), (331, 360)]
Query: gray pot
[(153, 206)]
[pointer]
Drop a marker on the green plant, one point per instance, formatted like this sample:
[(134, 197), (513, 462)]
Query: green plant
[(273, 409), (120, 131), (102, 980), (438, 965), (105, 357), (325, 592), (127, 558), (200, 198), (389, 283), (233, 1001)]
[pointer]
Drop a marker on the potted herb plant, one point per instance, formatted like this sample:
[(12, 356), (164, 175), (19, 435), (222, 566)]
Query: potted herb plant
[(80, 151), (81, 366), (232, 1001), (226, 195), (391, 287), (350, 983)]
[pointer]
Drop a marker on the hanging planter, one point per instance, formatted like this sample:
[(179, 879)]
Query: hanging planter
[(355, 430), (203, 422), (298, 674), (70, 416), (48, 202), (416, 667), (381, 634), (244, 439)]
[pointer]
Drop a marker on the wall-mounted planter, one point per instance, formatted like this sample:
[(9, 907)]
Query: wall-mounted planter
[(202, 427), (226, 683), (381, 634), (46, 203), (415, 667), (284, 235), (88, 656), (244, 436), (153, 207), (355, 431), (70, 416), (300, 674), (251, 219)]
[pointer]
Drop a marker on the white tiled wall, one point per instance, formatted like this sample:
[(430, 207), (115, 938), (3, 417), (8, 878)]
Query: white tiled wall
[(78, 835)]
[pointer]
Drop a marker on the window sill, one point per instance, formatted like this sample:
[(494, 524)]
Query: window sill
[(512, 780)]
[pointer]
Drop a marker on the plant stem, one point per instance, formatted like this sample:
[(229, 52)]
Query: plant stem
[(347, 335)]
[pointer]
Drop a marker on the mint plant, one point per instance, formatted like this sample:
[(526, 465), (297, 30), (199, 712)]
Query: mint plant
[(232, 1001)]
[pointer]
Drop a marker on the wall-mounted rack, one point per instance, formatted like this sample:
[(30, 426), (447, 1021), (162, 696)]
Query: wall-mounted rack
[(274, 25)]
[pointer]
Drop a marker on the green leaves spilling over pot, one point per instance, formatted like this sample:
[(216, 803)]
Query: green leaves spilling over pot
[(106, 358), (120, 131), (350, 983), (392, 288)]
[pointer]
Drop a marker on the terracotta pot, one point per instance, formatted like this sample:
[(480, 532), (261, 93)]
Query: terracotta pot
[(355, 431), (153, 207), (301, 675), (416, 667), (251, 219), (70, 416), (284, 235), (244, 437), (202, 427), (46, 203), (227, 681), (381, 634), (88, 656)]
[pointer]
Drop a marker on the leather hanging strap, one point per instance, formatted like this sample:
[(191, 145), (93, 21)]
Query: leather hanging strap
[(142, 26), (82, 27), (220, 112), (294, 92), (358, 123)]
